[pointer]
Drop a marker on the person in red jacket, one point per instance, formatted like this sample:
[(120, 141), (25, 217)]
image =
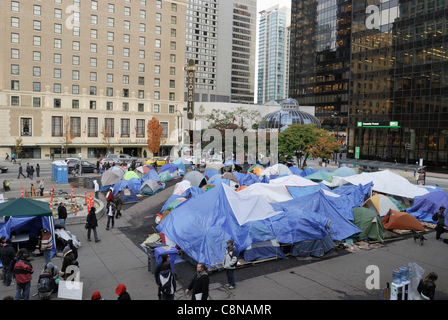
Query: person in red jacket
[(22, 272)]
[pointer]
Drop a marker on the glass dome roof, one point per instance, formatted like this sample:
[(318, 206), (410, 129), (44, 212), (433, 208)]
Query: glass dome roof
[(289, 114)]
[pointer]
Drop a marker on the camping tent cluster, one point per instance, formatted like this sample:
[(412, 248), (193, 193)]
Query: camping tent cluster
[(143, 180), (276, 210)]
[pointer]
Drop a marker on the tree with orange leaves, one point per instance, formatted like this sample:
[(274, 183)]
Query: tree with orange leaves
[(154, 133), (69, 132)]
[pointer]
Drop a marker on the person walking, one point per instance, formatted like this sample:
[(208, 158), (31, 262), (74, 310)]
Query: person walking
[(7, 156), (119, 204), (23, 270), (159, 268), (97, 189), (62, 214), (20, 172), (7, 254), (38, 170), (122, 293), (230, 262), (110, 214), (28, 170), (440, 227), (13, 157), (31, 173), (200, 284), (427, 286), (166, 282), (92, 224), (46, 245)]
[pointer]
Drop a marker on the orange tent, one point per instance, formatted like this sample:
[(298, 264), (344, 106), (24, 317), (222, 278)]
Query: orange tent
[(402, 221), (241, 188)]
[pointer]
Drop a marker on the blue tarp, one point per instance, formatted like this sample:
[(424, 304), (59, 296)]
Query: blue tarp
[(425, 206), (202, 225), (307, 172), (32, 224), (169, 167), (183, 165), (210, 173), (331, 208), (295, 170), (246, 179)]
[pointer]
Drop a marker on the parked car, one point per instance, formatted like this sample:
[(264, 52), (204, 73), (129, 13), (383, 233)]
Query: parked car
[(87, 167), (3, 169), (118, 158), (151, 161)]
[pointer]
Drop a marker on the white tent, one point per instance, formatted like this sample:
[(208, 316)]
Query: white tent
[(383, 181)]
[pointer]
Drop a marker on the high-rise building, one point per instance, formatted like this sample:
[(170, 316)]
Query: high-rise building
[(390, 57), (273, 54), (226, 67), (87, 75)]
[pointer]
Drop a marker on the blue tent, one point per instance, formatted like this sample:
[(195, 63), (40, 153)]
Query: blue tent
[(307, 172), (425, 206), (295, 170), (331, 208), (202, 225), (344, 172), (169, 167), (184, 165), (323, 170), (246, 179), (126, 187), (210, 173), (27, 214), (152, 174)]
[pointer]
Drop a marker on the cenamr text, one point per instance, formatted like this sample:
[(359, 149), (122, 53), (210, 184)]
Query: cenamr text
[(226, 309)]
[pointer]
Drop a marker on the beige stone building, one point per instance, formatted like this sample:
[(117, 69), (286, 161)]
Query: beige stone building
[(99, 69)]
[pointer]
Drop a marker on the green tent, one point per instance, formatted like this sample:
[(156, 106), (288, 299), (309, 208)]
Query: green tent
[(369, 222), (24, 207), (399, 206), (130, 174), (321, 175)]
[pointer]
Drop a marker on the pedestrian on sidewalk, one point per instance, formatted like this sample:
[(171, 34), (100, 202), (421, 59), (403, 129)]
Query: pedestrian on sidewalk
[(122, 292), (119, 204), (97, 189), (20, 172), (38, 170), (200, 284), (13, 157), (110, 213), (41, 187), (159, 268), (167, 282), (440, 227), (7, 254), (46, 244), (62, 214), (23, 270), (230, 262), (31, 174), (28, 170), (91, 224)]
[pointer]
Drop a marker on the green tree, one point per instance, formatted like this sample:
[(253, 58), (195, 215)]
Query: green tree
[(304, 140)]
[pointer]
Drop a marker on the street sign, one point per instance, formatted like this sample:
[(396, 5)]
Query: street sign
[(357, 150), (191, 70), (377, 124)]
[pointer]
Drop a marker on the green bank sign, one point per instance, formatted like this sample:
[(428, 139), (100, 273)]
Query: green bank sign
[(378, 124)]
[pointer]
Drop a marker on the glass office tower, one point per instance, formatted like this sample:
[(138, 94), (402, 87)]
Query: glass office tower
[(397, 74), (399, 81)]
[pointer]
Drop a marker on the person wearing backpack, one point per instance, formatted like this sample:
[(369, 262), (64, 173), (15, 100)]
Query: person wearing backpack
[(167, 282), (46, 284), (230, 262), (23, 271)]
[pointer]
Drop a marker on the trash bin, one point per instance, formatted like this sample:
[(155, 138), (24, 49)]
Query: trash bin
[(89, 182), (150, 248), (172, 252)]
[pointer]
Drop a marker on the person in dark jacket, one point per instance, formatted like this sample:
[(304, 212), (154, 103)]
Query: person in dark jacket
[(69, 260), (119, 204), (20, 172), (440, 227), (23, 271), (427, 286), (167, 276), (62, 214), (7, 254), (122, 293), (200, 283), (91, 224), (159, 268)]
